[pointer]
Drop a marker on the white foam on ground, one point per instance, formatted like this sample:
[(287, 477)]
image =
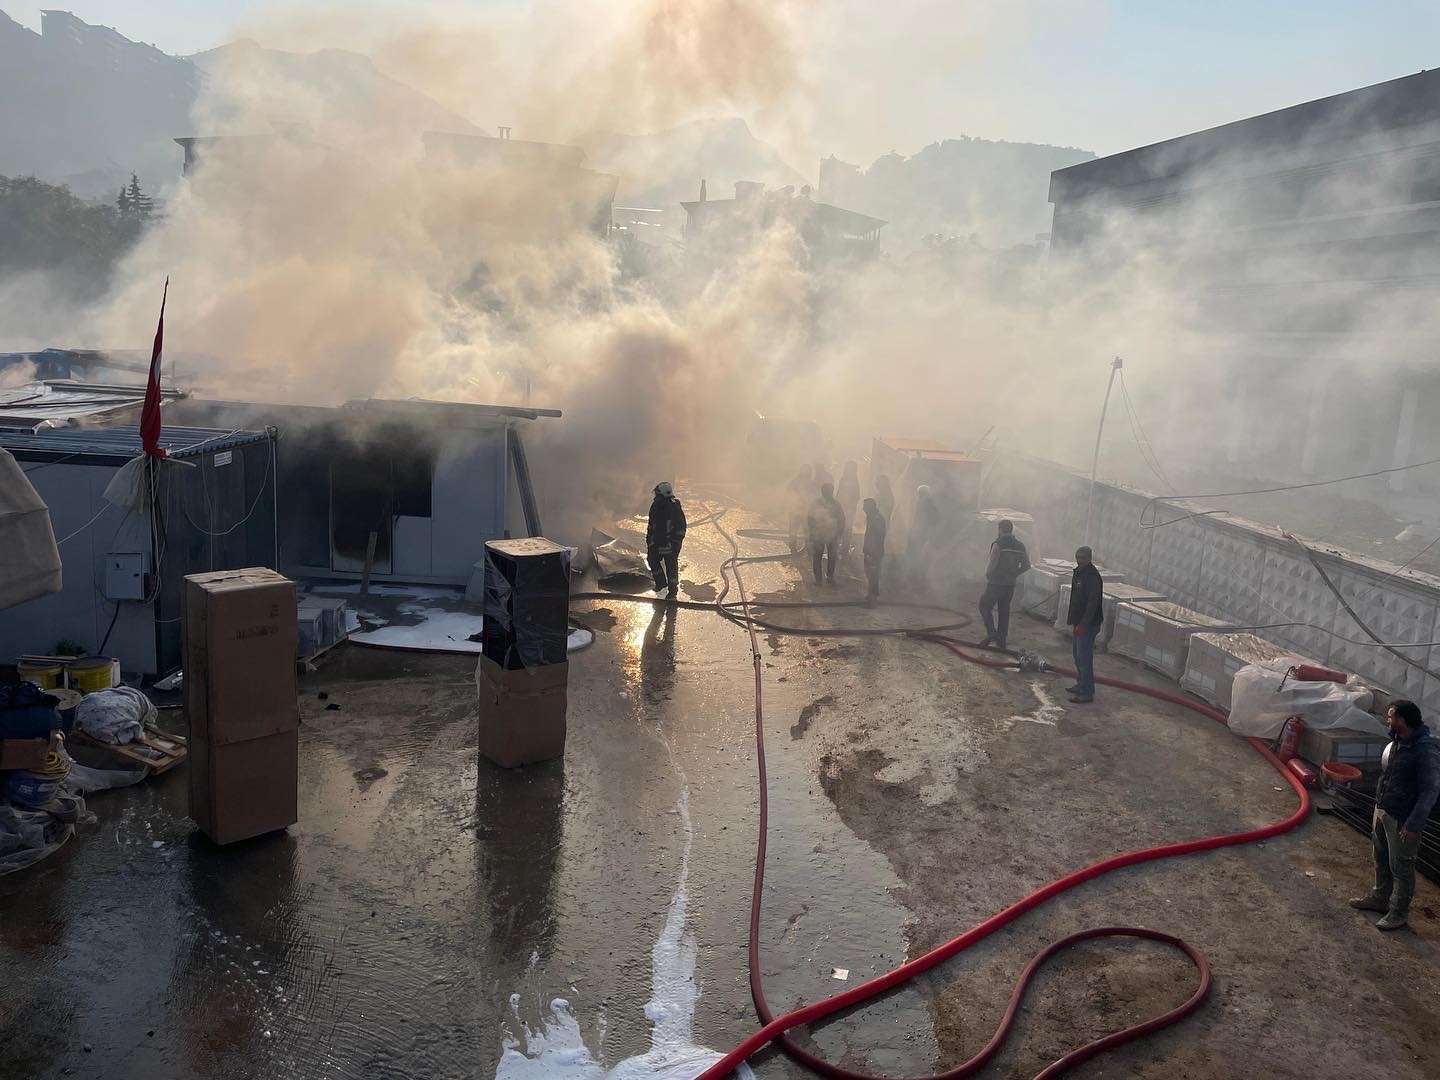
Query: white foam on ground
[(438, 631), (1046, 712), (558, 1051)]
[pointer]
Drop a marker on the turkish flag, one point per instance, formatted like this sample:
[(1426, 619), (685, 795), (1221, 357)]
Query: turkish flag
[(150, 415)]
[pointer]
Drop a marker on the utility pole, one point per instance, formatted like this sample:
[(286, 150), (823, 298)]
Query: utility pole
[(1115, 366)]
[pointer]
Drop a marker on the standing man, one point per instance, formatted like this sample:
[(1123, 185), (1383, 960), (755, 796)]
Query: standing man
[(1008, 560), (1409, 783), (874, 549), (663, 537), (1086, 616), (826, 522)]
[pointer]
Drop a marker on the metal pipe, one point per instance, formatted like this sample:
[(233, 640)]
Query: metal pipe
[(1115, 365)]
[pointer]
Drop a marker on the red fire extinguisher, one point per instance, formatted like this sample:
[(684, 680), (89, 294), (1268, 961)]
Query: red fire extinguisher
[(1290, 737)]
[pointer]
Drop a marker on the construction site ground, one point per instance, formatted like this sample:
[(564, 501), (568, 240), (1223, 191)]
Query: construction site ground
[(427, 909)]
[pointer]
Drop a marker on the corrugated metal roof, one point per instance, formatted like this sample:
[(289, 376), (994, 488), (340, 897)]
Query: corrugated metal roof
[(62, 399), (121, 443)]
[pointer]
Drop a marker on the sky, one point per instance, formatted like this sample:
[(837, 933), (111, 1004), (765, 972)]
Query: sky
[(1104, 75)]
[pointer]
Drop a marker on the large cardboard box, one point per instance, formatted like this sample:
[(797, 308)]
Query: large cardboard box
[(522, 712), (240, 698)]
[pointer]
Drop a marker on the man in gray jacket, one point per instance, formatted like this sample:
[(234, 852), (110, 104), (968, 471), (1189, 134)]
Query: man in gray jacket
[(1409, 784)]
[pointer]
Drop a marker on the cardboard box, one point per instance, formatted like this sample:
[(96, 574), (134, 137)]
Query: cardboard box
[(240, 697), (23, 753), (244, 789), (521, 712)]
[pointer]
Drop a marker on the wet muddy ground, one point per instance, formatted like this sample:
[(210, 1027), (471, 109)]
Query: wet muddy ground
[(426, 913)]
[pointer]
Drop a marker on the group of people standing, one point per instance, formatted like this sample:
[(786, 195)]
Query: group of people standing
[(825, 525), (825, 522)]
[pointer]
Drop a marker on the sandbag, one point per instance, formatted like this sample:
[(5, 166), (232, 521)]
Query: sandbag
[(1262, 697)]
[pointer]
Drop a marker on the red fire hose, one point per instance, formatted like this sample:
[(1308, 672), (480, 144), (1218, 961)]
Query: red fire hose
[(776, 1028)]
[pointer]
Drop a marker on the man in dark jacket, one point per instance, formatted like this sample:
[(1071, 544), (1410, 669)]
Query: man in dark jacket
[(1008, 560), (1085, 617), (663, 537), (1409, 784), (874, 549), (826, 524)]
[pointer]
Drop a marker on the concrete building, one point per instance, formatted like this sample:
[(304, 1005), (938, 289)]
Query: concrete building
[(830, 233), (1303, 247)]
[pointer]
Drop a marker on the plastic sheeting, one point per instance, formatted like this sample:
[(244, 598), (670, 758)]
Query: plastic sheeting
[(120, 715), (29, 559), (28, 836), (1259, 703), (615, 557), (527, 601)]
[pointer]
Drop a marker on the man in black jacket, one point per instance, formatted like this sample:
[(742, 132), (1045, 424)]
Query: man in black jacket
[(663, 537), (1085, 617), (1409, 784), (1008, 560)]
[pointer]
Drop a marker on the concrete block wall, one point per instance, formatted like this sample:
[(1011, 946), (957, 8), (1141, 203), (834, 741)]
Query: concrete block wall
[(1242, 573)]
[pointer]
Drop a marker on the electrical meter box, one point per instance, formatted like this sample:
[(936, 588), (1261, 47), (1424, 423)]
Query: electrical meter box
[(125, 573)]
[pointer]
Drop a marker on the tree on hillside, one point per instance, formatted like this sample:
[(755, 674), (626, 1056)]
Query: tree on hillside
[(45, 229), (134, 204)]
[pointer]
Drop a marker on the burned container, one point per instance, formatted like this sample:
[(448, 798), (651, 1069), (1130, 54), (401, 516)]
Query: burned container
[(527, 603)]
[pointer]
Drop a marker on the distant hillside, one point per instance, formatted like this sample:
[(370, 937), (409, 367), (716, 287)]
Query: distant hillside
[(82, 105), (998, 191), (666, 167), (85, 106)]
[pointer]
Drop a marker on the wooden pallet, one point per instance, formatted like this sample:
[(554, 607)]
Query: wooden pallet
[(158, 750)]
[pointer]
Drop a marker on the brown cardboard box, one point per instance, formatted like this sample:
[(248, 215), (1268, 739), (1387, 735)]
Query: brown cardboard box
[(23, 753), (245, 788), (522, 712), (240, 697)]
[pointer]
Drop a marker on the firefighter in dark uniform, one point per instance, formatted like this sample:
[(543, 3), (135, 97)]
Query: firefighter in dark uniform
[(663, 538)]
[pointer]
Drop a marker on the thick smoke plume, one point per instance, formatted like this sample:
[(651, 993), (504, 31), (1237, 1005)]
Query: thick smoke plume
[(336, 254)]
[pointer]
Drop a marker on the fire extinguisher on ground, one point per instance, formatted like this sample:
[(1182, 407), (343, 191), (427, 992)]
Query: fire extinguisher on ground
[(1290, 737)]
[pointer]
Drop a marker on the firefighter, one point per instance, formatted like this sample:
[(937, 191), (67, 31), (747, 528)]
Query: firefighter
[(663, 537)]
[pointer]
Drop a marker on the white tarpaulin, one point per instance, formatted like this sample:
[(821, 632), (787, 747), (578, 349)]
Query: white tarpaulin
[(29, 559), (1264, 694)]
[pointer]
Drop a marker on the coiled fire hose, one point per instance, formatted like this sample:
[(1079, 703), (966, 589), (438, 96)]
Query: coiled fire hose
[(776, 1029)]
